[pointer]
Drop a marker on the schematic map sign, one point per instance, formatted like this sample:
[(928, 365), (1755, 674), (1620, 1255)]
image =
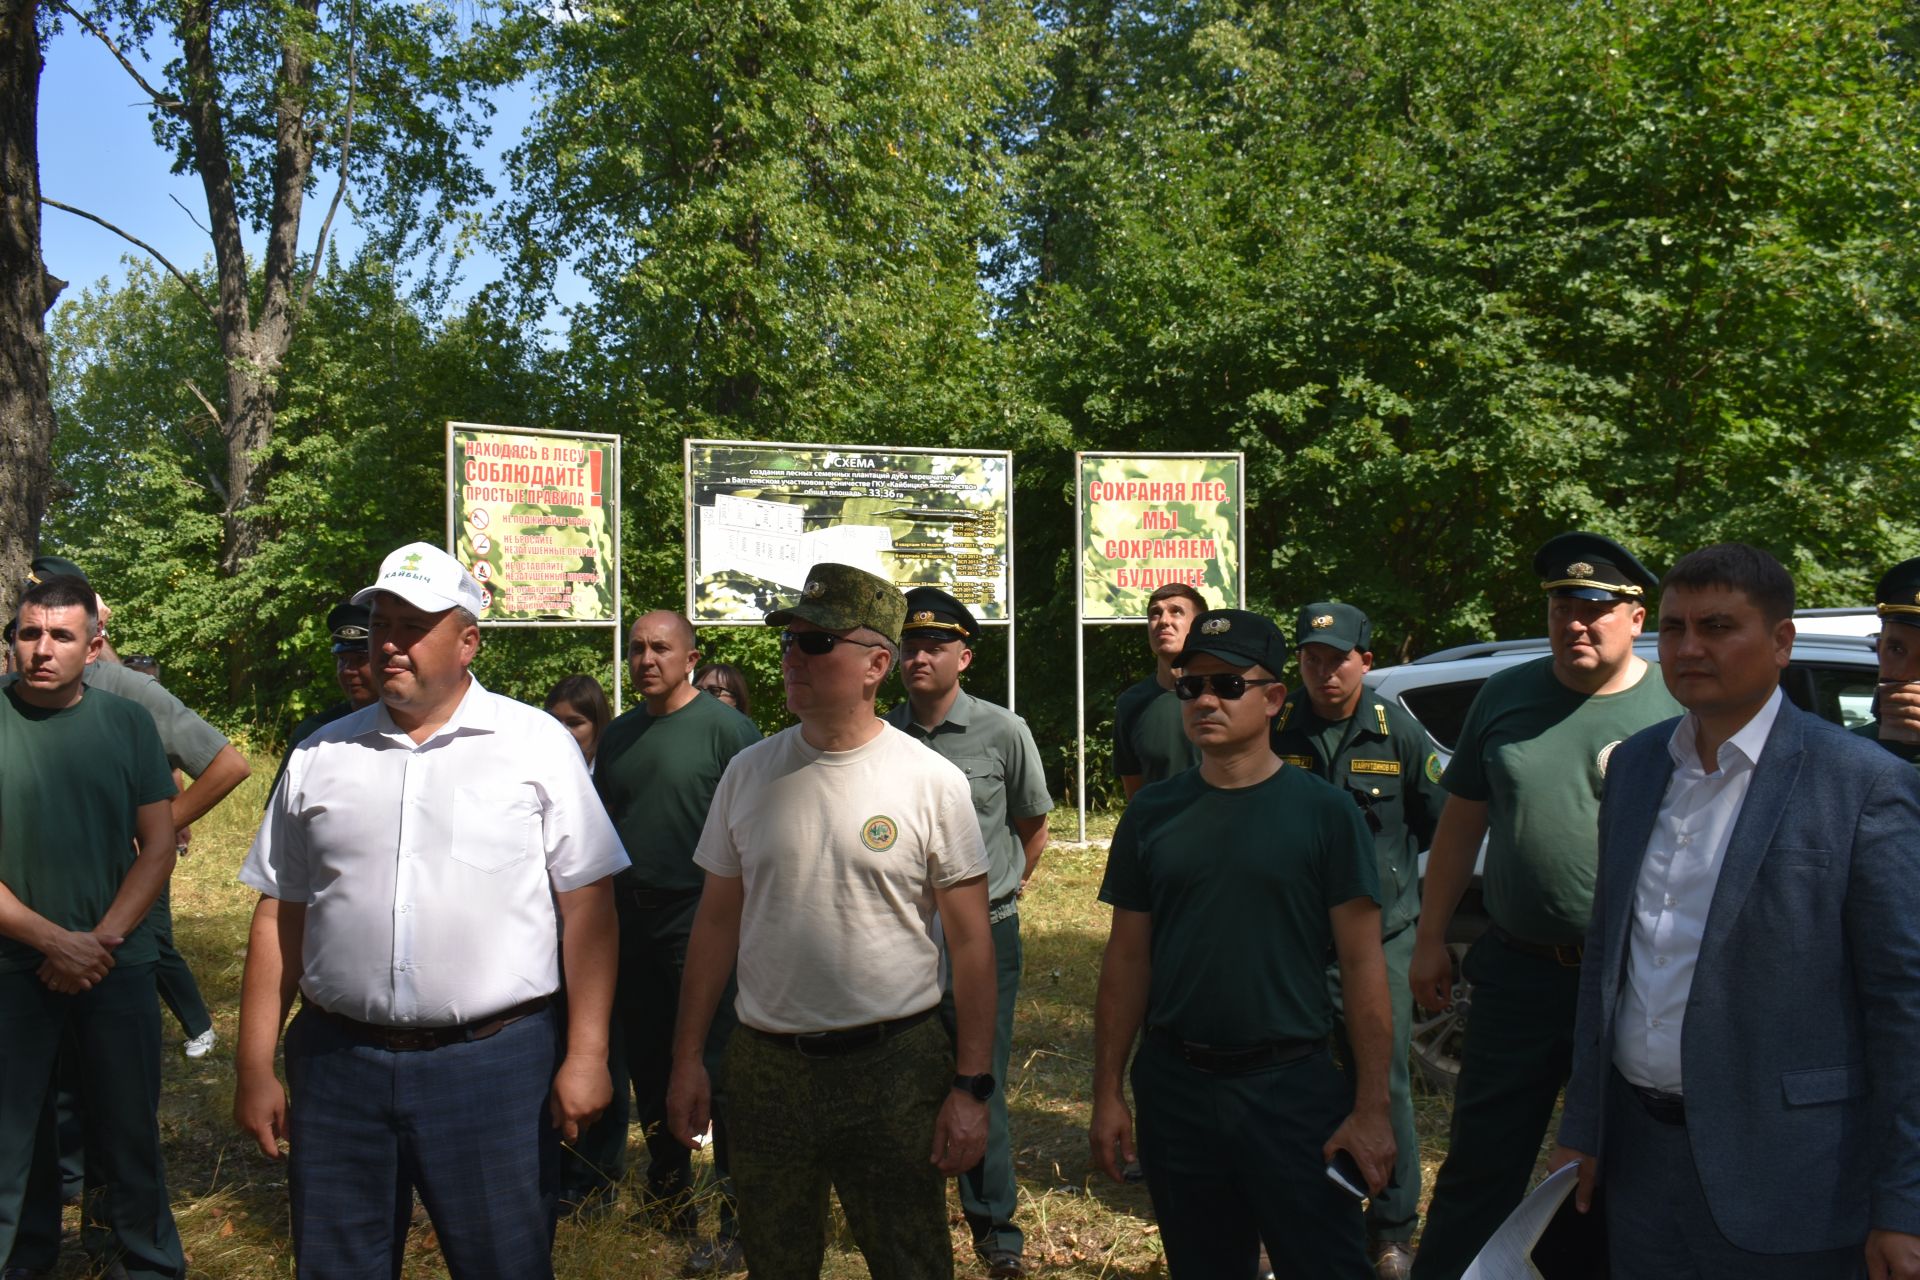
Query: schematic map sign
[(532, 515), (758, 515), (1147, 520)]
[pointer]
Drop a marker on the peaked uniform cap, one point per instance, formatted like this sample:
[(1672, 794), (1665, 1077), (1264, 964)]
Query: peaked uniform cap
[(348, 624), (1897, 595), (44, 567), (1587, 566), (932, 614), (839, 597)]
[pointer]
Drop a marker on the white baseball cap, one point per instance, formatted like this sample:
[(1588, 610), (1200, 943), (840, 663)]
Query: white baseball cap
[(427, 578)]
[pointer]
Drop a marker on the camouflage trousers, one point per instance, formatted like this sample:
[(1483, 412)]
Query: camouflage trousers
[(860, 1124)]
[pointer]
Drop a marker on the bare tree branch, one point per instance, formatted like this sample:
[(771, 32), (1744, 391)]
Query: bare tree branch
[(190, 216), (157, 256), (205, 403), (346, 153), (158, 99)]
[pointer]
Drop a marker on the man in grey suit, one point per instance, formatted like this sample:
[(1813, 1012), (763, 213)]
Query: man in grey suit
[(1746, 1080)]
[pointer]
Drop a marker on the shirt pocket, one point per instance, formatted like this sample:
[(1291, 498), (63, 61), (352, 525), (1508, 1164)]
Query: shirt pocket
[(985, 779), (493, 827)]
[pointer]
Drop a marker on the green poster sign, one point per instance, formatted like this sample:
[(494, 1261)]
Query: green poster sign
[(532, 515), (758, 515), (1147, 520)]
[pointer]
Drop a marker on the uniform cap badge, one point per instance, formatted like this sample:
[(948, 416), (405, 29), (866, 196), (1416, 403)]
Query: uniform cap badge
[(1322, 621), (1579, 569), (815, 589), (1215, 626), (925, 615)]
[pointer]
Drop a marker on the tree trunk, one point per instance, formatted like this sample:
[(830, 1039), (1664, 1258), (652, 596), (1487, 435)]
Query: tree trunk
[(26, 292)]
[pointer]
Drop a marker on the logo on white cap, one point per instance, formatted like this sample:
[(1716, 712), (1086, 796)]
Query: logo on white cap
[(427, 578)]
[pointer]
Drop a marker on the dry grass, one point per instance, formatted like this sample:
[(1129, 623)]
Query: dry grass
[(231, 1203)]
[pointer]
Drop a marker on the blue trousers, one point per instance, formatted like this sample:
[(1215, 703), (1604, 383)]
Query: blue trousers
[(466, 1125)]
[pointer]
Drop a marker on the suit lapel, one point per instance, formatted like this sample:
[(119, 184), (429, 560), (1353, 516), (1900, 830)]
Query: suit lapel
[(1767, 796), (1639, 795)]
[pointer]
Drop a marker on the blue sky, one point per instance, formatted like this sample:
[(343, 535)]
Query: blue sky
[(97, 153)]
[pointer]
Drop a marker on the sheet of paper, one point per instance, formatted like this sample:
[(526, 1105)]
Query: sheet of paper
[(1509, 1254)]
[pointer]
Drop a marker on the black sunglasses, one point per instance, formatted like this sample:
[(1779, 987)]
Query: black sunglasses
[(1226, 687), (815, 643)]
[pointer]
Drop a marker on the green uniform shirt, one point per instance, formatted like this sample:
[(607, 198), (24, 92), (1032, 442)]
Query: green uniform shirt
[(1239, 884), (1908, 751), (1380, 758), (1536, 752), (1149, 738), (996, 751), (656, 775), (71, 782), (190, 742)]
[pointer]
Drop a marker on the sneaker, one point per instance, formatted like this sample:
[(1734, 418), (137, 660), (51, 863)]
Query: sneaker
[(722, 1257), (200, 1046), (1392, 1260)]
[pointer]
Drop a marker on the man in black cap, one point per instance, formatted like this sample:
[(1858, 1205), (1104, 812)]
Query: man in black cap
[(1372, 750), (996, 751), (1527, 774), (1149, 742), (347, 624), (1896, 705), (1230, 885)]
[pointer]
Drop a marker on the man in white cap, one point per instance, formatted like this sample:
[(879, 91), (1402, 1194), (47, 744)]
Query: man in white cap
[(429, 868)]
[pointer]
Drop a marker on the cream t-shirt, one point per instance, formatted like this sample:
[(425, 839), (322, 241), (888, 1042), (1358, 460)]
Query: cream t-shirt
[(839, 853)]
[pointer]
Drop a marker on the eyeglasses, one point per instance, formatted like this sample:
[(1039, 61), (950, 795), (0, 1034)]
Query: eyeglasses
[(1227, 688), (816, 643), (717, 690)]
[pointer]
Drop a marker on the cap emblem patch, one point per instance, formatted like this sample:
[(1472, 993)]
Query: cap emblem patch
[(1579, 569), (411, 562), (925, 615), (1216, 626), (815, 589), (1322, 621)]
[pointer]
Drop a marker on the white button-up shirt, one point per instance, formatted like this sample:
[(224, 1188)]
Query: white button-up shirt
[(428, 871), (1674, 892)]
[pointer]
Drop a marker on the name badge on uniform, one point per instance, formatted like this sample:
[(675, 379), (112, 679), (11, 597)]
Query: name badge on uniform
[(1374, 766), (1299, 762)]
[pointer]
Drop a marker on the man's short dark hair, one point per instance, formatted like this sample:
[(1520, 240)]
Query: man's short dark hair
[(1178, 589), (64, 591), (1747, 569)]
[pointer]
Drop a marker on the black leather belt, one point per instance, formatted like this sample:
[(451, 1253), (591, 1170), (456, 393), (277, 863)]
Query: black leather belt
[(1565, 954), (643, 898), (1229, 1060), (409, 1039), (1667, 1108), (834, 1044)]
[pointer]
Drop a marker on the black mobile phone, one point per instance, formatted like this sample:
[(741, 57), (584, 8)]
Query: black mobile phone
[(1344, 1172)]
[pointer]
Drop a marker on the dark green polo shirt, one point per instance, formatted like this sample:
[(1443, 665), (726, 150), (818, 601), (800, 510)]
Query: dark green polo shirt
[(1536, 752), (1149, 738), (1379, 758), (996, 751), (656, 775), (1239, 884), (189, 741), (1908, 751), (71, 784)]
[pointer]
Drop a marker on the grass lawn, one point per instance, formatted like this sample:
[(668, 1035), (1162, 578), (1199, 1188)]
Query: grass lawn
[(231, 1203)]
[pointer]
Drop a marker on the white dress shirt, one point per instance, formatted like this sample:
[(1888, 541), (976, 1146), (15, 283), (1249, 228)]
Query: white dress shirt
[(429, 870), (1674, 893)]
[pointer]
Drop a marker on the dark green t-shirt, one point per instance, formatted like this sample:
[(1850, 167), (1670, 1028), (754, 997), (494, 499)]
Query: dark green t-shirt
[(1149, 738), (1239, 884), (656, 775), (1908, 751), (1536, 752), (71, 783), (1379, 758)]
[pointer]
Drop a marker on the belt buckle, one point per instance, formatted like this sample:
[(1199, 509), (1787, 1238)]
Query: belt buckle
[(1568, 956), (800, 1039), (406, 1041)]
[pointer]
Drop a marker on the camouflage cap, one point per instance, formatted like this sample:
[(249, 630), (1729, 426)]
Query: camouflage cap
[(1236, 636), (839, 597), (1340, 626)]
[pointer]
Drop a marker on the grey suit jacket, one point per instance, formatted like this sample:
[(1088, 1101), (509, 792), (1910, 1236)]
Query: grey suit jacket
[(1800, 1053)]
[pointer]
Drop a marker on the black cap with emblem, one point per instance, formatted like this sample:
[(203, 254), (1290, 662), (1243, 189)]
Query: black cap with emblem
[(932, 614), (348, 623), (44, 567), (1587, 566), (1236, 636), (1339, 625), (1897, 596)]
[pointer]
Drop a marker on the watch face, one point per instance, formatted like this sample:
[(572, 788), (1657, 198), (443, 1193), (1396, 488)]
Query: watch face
[(980, 1086)]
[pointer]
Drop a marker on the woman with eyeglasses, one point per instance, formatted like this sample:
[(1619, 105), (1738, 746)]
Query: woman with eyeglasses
[(726, 682)]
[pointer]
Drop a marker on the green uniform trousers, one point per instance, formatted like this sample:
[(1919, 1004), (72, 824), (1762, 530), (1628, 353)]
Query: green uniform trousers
[(1391, 1215), (860, 1124), (117, 1028), (1233, 1161), (990, 1192), (1517, 1056)]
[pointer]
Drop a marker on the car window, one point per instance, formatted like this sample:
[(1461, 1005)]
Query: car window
[(1441, 709), (1843, 695)]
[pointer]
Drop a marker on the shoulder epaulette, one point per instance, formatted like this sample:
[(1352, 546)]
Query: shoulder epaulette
[(1380, 715)]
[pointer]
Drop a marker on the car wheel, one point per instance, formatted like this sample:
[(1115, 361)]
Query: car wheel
[(1437, 1037)]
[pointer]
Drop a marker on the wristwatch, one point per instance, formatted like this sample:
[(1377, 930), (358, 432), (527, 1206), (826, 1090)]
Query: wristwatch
[(979, 1087)]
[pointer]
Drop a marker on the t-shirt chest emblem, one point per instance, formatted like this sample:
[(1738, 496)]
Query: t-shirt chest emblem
[(1606, 754), (878, 833)]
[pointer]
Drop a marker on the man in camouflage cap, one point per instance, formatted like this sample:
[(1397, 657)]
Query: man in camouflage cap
[(828, 849), (1372, 750)]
